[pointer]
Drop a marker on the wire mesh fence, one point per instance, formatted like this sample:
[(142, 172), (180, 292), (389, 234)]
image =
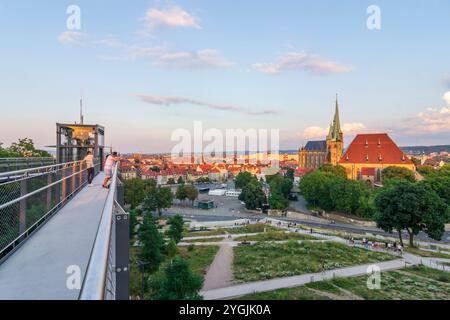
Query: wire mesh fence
[(28, 197), (14, 164)]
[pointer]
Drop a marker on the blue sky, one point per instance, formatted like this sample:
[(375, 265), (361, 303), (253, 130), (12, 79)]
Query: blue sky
[(146, 68)]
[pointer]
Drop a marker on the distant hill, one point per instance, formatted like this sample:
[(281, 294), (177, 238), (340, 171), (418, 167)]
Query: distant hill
[(416, 150)]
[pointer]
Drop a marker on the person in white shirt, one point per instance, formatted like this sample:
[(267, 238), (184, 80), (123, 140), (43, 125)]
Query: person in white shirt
[(109, 163), (89, 159)]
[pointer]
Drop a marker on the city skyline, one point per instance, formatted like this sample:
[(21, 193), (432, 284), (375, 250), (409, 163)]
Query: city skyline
[(148, 68)]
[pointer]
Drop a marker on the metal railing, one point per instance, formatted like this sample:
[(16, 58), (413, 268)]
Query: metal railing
[(28, 197), (107, 274), (13, 164)]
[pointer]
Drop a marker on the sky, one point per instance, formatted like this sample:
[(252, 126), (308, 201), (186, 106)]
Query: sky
[(147, 68)]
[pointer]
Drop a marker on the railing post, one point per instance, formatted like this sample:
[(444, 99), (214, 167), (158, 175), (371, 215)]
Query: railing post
[(120, 195), (80, 174), (23, 207), (63, 183), (74, 171), (122, 240), (49, 192)]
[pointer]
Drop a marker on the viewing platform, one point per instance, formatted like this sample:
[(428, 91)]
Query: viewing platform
[(79, 252)]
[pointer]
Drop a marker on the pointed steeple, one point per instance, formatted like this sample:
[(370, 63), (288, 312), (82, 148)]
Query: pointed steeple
[(336, 128)]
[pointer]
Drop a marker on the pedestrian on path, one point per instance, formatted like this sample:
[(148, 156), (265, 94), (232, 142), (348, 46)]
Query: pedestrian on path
[(108, 169), (89, 160)]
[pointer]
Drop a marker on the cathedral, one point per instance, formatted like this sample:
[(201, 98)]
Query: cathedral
[(317, 153)]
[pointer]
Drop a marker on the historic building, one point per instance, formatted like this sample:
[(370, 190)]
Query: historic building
[(316, 153), (369, 154)]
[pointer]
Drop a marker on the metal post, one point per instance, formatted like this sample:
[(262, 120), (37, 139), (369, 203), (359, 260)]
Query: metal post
[(74, 171), (63, 183), (120, 193), (49, 192), (23, 207), (122, 233), (80, 174)]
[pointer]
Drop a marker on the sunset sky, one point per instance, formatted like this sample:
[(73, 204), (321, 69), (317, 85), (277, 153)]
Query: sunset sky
[(146, 68)]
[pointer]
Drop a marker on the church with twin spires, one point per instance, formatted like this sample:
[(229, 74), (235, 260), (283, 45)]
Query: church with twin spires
[(317, 153)]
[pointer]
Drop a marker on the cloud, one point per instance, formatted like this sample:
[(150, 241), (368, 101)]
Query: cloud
[(446, 97), (72, 37), (171, 17), (316, 132), (353, 127), (174, 100), (205, 58), (304, 62)]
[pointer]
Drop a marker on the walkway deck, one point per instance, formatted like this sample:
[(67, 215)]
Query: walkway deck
[(37, 270)]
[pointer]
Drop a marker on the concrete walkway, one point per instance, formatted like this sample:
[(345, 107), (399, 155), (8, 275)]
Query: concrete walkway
[(220, 272), (289, 282), (37, 270)]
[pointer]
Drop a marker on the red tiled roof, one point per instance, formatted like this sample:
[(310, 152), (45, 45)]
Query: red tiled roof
[(368, 171), (374, 148)]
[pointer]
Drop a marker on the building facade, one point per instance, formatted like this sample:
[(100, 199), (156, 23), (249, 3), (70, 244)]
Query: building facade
[(317, 153), (369, 154)]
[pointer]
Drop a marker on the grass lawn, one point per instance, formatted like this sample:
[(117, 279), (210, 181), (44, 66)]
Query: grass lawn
[(298, 293), (426, 253), (251, 228), (204, 240), (199, 259), (276, 236), (204, 233), (267, 260), (413, 283)]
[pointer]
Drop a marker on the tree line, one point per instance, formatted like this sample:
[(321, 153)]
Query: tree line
[(402, 203)]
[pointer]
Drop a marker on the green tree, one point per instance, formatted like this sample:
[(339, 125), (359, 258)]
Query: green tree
[(158, 199), (172, 249), (171, 181), (277, 201), (426, 170), (349, 196), (338, 170), (281, 185), (191, 193), (135, 192), (398, 173), (176, 228), (151, 244), (242, 179), (413, 207), (25, 148), (181, 193), (315, 188), (253, 195), (179, 283)]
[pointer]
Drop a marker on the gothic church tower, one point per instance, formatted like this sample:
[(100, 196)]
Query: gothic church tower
[(335, 139)]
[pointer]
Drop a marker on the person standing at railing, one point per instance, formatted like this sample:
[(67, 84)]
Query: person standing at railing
[(89, 159), (108, 168)]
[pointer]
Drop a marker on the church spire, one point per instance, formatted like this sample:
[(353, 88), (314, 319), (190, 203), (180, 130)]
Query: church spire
[(336, 129)]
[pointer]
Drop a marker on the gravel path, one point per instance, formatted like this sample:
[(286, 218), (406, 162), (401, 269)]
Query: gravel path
[(220, 272)]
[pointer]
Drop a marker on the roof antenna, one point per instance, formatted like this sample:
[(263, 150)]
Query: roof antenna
[(81, 109)]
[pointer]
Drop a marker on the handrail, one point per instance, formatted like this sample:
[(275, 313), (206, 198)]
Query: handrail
[(95, 278), (29, 194), (17, 172)]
